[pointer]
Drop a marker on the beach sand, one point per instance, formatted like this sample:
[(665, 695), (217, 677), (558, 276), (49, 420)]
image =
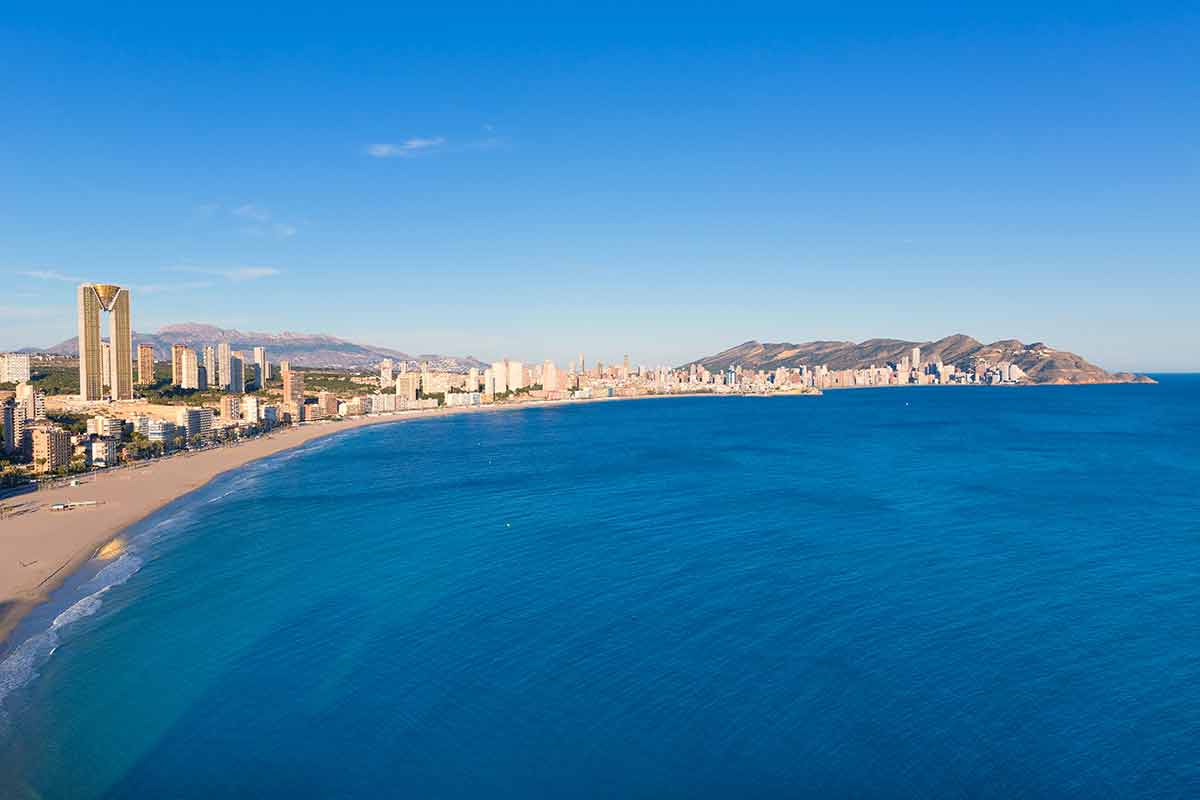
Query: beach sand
[(39, 547)]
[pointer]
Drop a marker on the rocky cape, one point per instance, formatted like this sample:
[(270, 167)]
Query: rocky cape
[(1040, 362), (301, 349)]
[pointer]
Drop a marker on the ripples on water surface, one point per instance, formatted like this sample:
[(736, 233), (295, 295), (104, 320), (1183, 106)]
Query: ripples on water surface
[(990, 593)]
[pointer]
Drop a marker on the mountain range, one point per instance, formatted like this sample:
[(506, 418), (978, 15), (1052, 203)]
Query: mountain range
[(1040, 362), (301, 349)]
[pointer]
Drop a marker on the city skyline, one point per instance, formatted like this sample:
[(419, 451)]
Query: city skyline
[(642, 182)]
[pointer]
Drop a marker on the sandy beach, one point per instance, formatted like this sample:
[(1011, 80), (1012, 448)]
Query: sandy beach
[(39, 547)]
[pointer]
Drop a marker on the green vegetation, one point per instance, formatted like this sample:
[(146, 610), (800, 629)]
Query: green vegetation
[(75, 423), (337, 382), (55, 378)]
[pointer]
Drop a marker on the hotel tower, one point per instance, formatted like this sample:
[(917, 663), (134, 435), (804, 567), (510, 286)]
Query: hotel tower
[(94, 299)]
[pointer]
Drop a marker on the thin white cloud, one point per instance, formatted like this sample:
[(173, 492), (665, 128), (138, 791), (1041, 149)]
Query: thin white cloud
[(48, 275), (27, 312), (257, 220), (235, 274), (406, 149), (252, 212), (166, 288)]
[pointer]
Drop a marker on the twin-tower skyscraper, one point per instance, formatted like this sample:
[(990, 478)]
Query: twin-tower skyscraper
[(96, 299)]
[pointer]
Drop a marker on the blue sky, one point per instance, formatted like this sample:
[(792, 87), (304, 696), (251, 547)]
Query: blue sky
[(543, 180)]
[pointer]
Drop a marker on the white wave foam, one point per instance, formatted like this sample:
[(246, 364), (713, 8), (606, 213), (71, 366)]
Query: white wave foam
[(20, 667)]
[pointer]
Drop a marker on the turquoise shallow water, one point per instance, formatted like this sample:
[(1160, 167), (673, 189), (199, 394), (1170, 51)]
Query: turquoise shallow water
[(929, 592)]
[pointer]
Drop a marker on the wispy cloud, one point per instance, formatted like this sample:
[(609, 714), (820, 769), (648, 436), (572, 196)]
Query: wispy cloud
[(165, 288), (28, 312), (49, 275), (405, 149), (235, 274), (252, 212), (255, 219)]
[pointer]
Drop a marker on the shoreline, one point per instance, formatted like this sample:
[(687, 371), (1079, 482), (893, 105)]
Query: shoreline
[(40, 548)]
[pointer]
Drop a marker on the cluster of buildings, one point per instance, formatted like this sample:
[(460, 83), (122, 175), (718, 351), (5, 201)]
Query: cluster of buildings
[(910, 370), (218, 367), (246, 408)]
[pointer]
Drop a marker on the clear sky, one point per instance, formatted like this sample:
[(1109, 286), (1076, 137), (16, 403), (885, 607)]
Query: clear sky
[(534, 182)]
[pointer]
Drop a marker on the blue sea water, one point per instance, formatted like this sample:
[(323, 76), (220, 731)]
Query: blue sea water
[(875, 593)]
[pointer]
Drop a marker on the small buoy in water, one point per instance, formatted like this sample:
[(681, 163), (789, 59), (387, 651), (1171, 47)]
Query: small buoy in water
[(508, 524)]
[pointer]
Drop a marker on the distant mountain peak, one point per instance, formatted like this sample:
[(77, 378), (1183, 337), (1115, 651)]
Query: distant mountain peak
[(301, 349), (1040, 362)]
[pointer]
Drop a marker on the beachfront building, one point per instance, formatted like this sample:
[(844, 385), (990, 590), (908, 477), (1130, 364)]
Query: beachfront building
[(145, 364), (13, 416), (14, 367), (94, 300), (498, 383), (101, 452), (293, 385), (231, 408), (194, 421), (386, 373), (105, 426), (270, 416), (406, 386), (32, 400), (328, 404), (50, 448), (517, 378), (250, 408)]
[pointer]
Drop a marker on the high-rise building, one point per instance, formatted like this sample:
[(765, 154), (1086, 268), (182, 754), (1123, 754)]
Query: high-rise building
[(625, 367), (549, 376), (106, 365), (499, 378), (916, 358), (231, 408), (95, 299), (516, 375), (14, 368), (14, 424), (293, 386), (210, 363), (406, 386), (582, 365), (386, 375), (145, 361), (31, 399), (473, 379), (224, 371), (237, 375), (264, 367), (189, 369), (51, 448), (250, 408), (194, 421), (328, 404), (177, 351)]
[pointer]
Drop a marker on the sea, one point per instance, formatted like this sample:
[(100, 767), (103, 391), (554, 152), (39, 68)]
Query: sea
[(975, 592)]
